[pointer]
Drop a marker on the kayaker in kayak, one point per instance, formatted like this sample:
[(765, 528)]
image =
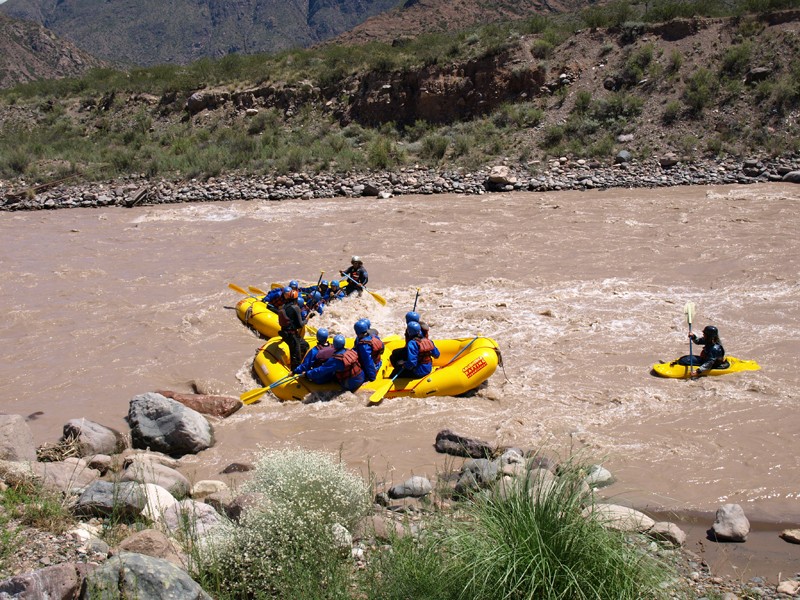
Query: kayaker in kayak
[(358, 274), (713, 354), (317, 356), (399, 354), (342, 367), (420, 352), (369, 348), (292, 324)]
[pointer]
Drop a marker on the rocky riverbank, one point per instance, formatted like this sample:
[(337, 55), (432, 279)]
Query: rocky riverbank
[(555, 175), (129, 505)]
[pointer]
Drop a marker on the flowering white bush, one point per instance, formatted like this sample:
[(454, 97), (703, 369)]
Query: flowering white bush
[(285, 547)]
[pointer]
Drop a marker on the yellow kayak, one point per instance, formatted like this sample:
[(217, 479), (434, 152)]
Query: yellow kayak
[(678, 371), (463, 364)]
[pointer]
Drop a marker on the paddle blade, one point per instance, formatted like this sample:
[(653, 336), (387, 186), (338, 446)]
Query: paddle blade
[(236, 288), (688, 310), (381, 300), (378, 394), (255, 290), (253, 395), (274, 285)]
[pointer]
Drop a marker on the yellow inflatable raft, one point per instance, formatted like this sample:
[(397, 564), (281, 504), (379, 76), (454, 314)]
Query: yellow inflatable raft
[(675, 370), (254, 313), (462, 366)]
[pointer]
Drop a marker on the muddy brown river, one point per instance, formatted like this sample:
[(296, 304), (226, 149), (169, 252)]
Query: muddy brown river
[(582, 291)]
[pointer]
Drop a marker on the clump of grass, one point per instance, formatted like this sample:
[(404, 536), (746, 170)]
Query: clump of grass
[(530, 541), (35, 506), (287, 547)]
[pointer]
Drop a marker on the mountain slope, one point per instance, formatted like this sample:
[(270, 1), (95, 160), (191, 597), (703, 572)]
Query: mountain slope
[(148, 32), (29, 52), (414, 17)]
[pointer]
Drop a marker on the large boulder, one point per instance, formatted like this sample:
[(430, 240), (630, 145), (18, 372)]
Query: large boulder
[(415, 487), (124, 500), (619, 518), (131, 575), (792, 177), (167, 426), (93, 438), (16, 439)]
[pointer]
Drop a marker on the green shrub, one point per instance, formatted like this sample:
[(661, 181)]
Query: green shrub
[(583, 100), (674, 63), (286, 547), (382, 153), (434, 147), (736, 60), (542, 49), (671, 112), (700, 90)]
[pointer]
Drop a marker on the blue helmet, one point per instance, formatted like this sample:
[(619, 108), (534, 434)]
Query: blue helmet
[(362, 326), (323, 283), (300, 302), (412, 316), (287, 290), (322, 335), (338, 341), (413, 329), (293, 284), (316, 296), (335, 284)]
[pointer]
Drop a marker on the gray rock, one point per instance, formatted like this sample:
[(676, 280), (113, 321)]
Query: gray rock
[(623, 156), (664, 531), (792, 177), (131, 575), (415, 487), (730, 524), (198, 518), (16, 439), (599, 476), (485, 471), (68, 476), (103, 498), (791, 535), (620, 518), (93, 438), (145, 471), (451, 443), (167, 426)]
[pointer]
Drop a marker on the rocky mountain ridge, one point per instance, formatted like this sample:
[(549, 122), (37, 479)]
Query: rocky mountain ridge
[(29, 52)]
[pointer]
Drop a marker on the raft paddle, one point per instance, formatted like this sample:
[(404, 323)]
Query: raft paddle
[(415, 301), (381, 300), (452, 360), (378, 394), (236, 288), (688, 310), (253, 395), (256, 290)]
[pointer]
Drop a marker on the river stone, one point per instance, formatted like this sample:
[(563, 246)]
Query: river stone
[(207, 404), (58, 581), (207, 487), (195, 518), (664, 531), (103, 498), (145, 471), (158, 501), (599, 476), (791, 535), (448, 442), (789, 587), (792, 177), (730, 524), (68, 476), (93, 438), (620, 518), (153, 543), (16, 439), (167, 426), (131, 575), (415, 487)]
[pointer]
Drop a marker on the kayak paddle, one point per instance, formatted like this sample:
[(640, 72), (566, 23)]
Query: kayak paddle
[(381, 300), (688, 310)]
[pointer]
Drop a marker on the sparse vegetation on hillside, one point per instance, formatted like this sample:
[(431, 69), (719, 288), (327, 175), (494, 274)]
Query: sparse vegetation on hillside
[(727, 86)]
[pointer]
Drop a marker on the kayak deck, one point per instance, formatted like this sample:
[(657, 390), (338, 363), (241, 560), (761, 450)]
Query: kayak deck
[(674, 370)]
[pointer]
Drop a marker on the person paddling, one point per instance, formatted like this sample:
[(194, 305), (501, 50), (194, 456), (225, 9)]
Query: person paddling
[(317, 356), (357, 274), (420, 352), (369, 348), (342, 367), (712, 355)]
